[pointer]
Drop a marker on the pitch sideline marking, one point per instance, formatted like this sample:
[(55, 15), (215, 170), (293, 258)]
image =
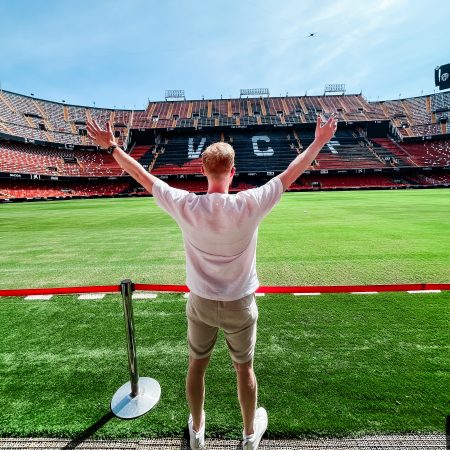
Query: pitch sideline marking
[(430, 291), (38, 297), (148, 295), (306, 293), (91, 296), (368, 292), (144, 295)]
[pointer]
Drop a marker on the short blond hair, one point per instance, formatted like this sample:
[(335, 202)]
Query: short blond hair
[(218, 158)]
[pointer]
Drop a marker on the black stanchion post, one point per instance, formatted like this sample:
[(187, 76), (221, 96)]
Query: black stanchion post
[(139, 395), (127, 288)]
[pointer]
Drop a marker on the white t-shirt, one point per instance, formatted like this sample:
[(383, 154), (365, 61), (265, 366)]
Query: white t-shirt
[(220, 234)]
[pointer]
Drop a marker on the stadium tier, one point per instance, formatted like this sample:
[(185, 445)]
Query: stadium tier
[(32, 189), (47, 121), (383, 144), (36, 189), (17, 157)]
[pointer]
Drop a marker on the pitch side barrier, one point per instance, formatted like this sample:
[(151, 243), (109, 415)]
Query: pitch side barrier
[(261, 290), (139, 395)]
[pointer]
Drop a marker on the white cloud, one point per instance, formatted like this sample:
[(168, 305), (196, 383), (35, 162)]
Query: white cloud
[(218, 47)]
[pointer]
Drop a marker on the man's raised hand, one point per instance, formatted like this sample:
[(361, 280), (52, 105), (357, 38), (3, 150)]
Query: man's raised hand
[(325, 131), (103, 138)]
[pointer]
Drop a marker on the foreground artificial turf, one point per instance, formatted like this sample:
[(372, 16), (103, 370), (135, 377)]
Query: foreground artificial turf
[(329, 365)]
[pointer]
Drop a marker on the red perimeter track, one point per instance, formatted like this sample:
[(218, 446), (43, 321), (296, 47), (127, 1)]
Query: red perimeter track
[(261, 289)]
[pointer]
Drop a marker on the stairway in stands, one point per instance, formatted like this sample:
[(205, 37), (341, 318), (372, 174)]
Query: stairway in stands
[(142, 154), (391, 147)]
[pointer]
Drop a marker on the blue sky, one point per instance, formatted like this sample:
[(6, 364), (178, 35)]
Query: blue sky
[(121, 53)]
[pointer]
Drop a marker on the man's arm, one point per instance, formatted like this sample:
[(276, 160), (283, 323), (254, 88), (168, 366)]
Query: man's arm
[(323, 134), (106, 139)]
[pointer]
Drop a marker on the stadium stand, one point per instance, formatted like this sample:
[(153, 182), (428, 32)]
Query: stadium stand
[(354, 181), (32, 189), (31, 159), (428, 153), (417, 116), (345, 151), (433, 180), (48, 140), (27, 117), (390, 151)]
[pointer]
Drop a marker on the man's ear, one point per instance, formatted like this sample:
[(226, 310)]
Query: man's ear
[(203, 171), (233, 171)]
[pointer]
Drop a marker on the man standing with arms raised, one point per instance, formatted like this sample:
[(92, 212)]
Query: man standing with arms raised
[(220, 235)]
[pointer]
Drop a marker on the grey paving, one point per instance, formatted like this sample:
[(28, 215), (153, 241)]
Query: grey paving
[(378, 442)]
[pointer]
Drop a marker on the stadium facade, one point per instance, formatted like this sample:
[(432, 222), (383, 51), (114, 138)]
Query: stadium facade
[(45, 151)]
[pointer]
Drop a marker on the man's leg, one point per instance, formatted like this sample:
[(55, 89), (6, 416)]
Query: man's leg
[(239, 320), (202, 335), (247, 393), (195, 389)]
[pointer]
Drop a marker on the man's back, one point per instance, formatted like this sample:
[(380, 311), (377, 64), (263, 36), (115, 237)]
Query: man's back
[(220, 236)]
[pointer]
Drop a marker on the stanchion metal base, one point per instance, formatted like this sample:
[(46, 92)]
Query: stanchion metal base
[(124, 406)]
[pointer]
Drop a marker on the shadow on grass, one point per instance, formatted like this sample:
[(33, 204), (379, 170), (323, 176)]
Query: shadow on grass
[(88, 432)]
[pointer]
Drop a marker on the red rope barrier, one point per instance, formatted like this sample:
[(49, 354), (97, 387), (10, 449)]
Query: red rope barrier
[(57, 290), (161, 287), (261, 289), (354, 288)]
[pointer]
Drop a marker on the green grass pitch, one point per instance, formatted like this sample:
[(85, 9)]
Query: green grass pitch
[(337, 364)]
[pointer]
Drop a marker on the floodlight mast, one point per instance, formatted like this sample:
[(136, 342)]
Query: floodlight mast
[(175, 95), (334, 89), (254, 92)]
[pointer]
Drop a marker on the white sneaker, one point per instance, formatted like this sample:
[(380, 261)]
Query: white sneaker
[(260, 426), (197, 438)]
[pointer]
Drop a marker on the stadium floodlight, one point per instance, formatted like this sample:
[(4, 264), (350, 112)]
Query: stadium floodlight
[(334, 89), (175, 94), (255, 92)]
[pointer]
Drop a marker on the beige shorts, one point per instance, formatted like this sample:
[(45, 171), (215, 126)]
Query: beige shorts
[(236, 318)]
